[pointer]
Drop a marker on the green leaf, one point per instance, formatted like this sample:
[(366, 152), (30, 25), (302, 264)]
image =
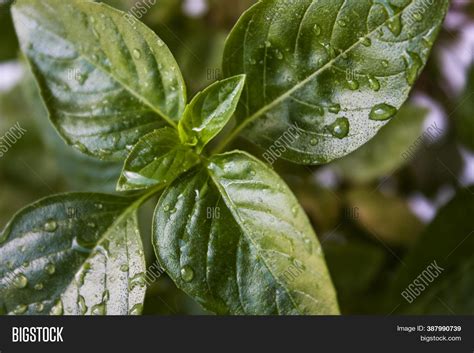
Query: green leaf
[(79, 171), (210, 111), (105, 82), (337, 69), (73, 254), (232, 235), (451, 294), (390, 149), (449, 241), (158, 158)]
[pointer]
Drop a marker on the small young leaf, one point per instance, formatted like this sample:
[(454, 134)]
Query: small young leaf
[(158, 158), (210, 111), (73, 254), (232, 235), (105, 81), (337, 69)]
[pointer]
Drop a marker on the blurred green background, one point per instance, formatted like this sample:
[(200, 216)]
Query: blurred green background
[(383, 213)]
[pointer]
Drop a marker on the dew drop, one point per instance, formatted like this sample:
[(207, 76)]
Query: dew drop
[(395, 25), (385, 63), (340, 128), (39, 286), (20, 281), (50, 226), (166, 208), (124, 268), (39, 307), (294, 211), (99, 206), (374, 84), (137, 54), (98, 309), (353, 84), (366, 41), (50, 269), (160, 43), (81, 304), (335, 108), (58, 308), (342, 23), (382, 112), (314, 141), (187, 274), (20, 309)]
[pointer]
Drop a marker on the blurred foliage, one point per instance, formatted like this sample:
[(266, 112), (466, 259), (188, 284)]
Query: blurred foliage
[(464, 116), (9, 43), (449, 240), (386, 217), (373, 242)]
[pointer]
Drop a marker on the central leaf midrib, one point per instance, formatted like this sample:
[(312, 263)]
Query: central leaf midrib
[(232, 208), (119, 81), (326, 66)]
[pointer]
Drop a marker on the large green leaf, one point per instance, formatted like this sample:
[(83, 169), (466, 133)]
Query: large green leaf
[(210, 111), (449, 241), (105, 81), (158, 158), (232, 235), (390, 149), (338, 69), (73, 254)]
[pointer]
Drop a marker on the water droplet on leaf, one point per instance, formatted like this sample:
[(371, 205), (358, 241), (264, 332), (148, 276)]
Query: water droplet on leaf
[(137, 54), (382, 112), (50, 226), (187, 274), (20, 281), (340, 128)]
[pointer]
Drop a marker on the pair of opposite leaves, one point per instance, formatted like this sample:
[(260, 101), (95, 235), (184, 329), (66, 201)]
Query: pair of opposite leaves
[(126, 83)]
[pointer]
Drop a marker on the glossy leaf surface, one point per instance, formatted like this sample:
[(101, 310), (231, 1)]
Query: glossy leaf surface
[(337, 69), (105, 81), (210, 111), (73, 254), (394, 145), (158, 158), (233, 236)]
